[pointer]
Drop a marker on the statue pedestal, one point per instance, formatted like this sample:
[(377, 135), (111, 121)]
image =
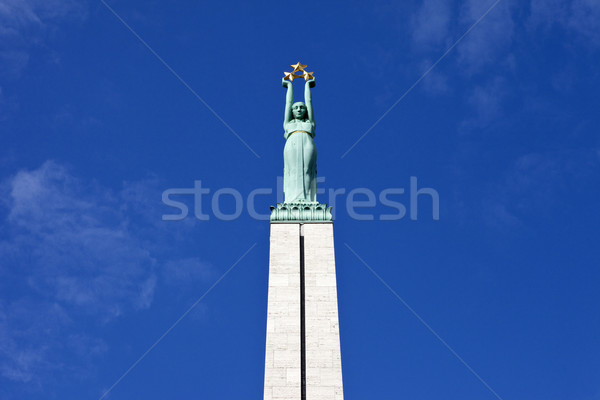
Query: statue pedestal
[(303, 358), (301, 212)]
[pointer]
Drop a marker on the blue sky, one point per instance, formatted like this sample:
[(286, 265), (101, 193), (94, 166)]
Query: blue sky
[(95, 127)]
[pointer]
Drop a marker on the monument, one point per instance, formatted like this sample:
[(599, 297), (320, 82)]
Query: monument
[(303, 358)]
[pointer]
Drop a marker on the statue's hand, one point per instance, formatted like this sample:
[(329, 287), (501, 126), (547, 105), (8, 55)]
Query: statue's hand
[(311, 83), (285, 83)]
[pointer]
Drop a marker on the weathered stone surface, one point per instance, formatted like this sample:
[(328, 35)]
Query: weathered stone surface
[(323, 356), (323, 369), (282, 359)]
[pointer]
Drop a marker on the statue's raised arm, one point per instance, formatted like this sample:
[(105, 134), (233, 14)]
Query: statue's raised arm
[(289, 99), (308, 100)]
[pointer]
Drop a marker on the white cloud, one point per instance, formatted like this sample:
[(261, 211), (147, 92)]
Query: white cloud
[(26, 342), (17, 14), (579, 17), (486, 101), (188, 270), (77, 242), (436, 82), (584, 18), (547, 12), (73, 250), (536, 184), (488, 42), (25, 24), (430, 24), (66, 251)]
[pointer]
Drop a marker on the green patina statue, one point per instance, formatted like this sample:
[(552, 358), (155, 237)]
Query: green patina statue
[(300, 153), (299, 157)]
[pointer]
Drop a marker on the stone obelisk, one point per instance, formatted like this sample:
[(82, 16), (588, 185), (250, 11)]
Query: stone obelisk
[(303, 359)]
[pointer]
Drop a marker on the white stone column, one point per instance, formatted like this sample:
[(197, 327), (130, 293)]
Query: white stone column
[(322, 338), (302, 253), (282, 359)]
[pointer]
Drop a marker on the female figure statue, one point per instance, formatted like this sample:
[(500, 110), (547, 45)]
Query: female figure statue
[(299, 153)]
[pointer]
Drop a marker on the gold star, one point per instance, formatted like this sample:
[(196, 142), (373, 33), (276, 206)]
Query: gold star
[(308, 76), (289, 76), (298, 66)]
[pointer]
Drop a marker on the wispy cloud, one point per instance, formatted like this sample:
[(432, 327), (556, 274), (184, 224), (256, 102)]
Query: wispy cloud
[(25, 24), (536, 183), (78, 241), (430, 24), (191, 269), (430, 31), (17, 14), (26, 343), (489, 56), (579, 17), (66, 249), (489, 44), (71, 250), (487, 102)]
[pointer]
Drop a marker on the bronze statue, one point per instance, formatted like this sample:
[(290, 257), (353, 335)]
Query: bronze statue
[(299, 153)]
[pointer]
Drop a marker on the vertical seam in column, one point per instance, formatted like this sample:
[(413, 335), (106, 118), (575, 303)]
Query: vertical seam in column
[(302, 321)]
